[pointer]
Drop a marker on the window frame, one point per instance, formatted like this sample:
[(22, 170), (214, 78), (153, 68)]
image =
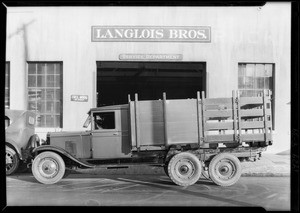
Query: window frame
[(273, 85), (103, 130), (61, 91)]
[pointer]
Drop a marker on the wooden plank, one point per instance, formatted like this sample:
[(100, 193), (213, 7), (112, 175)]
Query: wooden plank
[(202, 112), (182, 132), (251, 113), (218, 114), (253, 137), (165, 118), (218, 106), (152, 133), (254, 124), (265, 116), (218, 126), (151, 111), (218, 101), (219, 138), (182, 110), (239, 117), (251, 100), (199, 118), (234, 106), (137, 124), (132, 124)]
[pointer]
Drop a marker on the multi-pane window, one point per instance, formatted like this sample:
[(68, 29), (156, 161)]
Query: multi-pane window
[(7, 85), (254, 78), (45, 93)]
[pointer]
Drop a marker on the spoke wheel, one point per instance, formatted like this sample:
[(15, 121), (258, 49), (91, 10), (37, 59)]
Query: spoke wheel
[(184, 169), (12, 160), (48, 168), (225, 169)]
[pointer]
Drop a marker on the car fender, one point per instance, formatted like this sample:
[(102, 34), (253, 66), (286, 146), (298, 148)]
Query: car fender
[(14, 145), (61, 152)]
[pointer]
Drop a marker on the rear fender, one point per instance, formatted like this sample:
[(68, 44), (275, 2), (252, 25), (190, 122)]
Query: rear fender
[(63, 153), (14, 145)]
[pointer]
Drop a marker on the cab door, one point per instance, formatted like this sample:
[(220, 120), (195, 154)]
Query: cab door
[(108, 136)]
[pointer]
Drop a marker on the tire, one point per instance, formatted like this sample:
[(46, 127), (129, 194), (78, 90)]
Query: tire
[(184, 169), (225, 169), (12, 160), (166, 169), (48, 168)]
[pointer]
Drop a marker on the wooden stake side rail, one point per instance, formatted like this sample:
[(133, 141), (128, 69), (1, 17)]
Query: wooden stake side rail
[(200, 121), (237, 119)]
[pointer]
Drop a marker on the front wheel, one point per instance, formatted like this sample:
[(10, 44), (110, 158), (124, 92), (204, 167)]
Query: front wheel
[(225, 169), (12, 160), (48, 168), (184, 169)]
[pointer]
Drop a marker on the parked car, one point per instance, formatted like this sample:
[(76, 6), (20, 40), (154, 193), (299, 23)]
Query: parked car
[(20, 139), (187, 137)]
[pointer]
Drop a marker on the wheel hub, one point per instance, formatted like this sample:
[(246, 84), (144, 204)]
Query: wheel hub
[(225, 169), (48, 168), (184, 169), (9, 158)]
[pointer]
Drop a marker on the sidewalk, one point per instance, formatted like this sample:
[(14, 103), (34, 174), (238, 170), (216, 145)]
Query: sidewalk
[(269, 165)]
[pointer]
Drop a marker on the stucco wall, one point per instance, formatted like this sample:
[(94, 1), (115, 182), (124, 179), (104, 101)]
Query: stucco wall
[(238, 34)]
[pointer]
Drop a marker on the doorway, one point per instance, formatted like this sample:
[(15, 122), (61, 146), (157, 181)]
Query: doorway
[(117, 79)]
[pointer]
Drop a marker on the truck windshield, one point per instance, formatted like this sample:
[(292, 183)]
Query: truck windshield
[(87, 122)]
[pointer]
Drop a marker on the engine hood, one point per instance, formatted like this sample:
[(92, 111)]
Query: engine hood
[(67, 133)]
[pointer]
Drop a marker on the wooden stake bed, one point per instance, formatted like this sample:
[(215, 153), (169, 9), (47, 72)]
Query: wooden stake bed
[(201, 121)]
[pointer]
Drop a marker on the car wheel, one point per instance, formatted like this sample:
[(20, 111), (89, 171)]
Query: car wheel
[(225, 169), (12, 160), (184, 169), (48, 168)]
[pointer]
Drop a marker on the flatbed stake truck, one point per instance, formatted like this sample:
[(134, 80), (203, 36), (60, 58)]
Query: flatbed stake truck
[(187, 137)]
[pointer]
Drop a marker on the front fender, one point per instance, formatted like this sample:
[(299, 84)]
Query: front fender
[(62, 152)]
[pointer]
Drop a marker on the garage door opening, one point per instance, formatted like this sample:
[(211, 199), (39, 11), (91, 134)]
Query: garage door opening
[(180, 80)]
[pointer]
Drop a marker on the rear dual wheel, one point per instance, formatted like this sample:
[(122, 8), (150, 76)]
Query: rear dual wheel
[(184, 169), (225, 169)]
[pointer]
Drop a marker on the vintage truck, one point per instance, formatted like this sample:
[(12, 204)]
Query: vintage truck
[(187, 137)]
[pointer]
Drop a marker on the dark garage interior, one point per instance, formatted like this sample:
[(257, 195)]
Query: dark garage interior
[(180, 80)]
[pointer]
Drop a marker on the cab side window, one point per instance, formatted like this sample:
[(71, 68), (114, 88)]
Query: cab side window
[(104, 120)]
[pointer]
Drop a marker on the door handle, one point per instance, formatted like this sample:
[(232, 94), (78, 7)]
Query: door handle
[(115, 133)]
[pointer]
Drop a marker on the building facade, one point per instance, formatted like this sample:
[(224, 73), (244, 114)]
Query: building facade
[(62, 61)]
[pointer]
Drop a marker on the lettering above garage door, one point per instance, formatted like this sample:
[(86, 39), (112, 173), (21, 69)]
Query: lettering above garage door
[(151, 34)]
